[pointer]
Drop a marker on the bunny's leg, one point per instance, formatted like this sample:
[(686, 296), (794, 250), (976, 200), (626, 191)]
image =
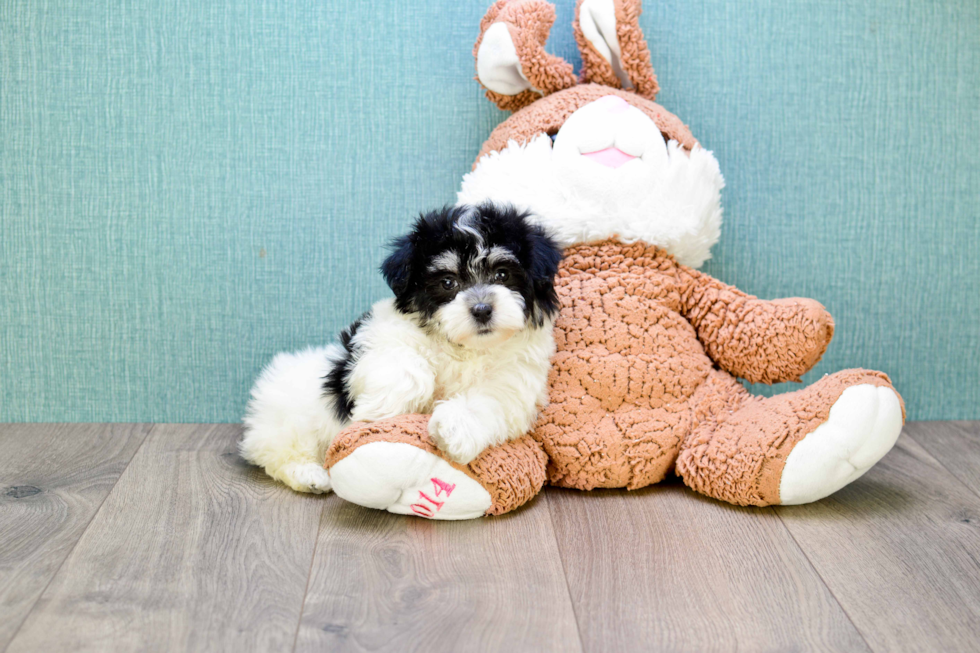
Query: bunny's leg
[(393, 465), (793, 448)]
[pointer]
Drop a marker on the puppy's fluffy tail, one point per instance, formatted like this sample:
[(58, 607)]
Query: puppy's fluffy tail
[(290, 422)]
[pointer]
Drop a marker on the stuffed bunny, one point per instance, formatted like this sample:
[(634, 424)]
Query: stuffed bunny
[(649, 350)]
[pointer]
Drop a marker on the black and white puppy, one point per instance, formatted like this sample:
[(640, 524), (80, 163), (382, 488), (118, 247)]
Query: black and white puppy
[(467, 337)]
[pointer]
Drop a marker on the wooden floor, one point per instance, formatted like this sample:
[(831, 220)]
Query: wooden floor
[(158, 537)]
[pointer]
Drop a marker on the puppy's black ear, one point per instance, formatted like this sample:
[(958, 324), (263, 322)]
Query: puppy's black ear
[(545, 257), (397, 268)]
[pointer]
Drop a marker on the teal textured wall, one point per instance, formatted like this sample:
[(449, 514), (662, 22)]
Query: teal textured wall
[(188, 187)]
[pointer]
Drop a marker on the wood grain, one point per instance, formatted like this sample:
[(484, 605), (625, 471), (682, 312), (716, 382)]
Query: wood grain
[(664, 569), (53, 478), (191, 551), (383, 582), (956, 445), (899, 548)]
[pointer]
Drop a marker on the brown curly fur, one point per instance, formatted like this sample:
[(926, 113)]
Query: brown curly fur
[(635, 380)]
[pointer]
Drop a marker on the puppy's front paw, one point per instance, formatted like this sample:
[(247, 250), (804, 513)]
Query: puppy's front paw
[(457, 432)]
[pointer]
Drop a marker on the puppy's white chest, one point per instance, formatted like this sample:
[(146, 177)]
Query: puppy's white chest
[(457, 374)]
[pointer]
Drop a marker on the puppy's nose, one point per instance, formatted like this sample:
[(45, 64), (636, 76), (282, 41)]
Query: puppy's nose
[(482, 312)]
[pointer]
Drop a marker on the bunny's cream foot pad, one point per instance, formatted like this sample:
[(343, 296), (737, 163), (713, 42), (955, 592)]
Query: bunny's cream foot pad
[(403, 479), (393, 465)]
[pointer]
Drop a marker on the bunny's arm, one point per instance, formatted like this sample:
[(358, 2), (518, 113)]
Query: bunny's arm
[(762, 341)]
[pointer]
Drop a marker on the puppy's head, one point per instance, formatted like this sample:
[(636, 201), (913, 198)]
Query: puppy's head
[(476, 274)]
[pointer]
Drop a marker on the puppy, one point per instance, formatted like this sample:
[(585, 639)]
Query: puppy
[(467, 338)]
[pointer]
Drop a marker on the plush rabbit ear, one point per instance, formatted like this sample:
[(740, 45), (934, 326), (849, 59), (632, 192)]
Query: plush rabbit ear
[(510, 59), (614, 52)]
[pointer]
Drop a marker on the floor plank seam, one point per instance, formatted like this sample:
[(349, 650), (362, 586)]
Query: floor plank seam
[(309, 574), (74, 545), (568, 588), (946, 469), (822, 579)]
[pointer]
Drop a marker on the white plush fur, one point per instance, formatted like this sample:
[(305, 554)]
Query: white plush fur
[(665, 197), (479, 395)]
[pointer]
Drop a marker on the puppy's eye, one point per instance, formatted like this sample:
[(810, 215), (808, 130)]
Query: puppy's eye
[(501, 275), (449, 283)]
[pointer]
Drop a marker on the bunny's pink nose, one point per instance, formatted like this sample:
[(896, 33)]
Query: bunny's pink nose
[(613, 103), (611, 157)]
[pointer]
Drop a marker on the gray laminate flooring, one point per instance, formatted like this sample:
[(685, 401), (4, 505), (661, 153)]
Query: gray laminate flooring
[(132, 537)]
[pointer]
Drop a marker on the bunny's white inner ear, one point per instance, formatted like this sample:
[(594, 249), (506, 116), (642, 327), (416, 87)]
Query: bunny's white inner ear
[(598, 21), (497, 64)]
